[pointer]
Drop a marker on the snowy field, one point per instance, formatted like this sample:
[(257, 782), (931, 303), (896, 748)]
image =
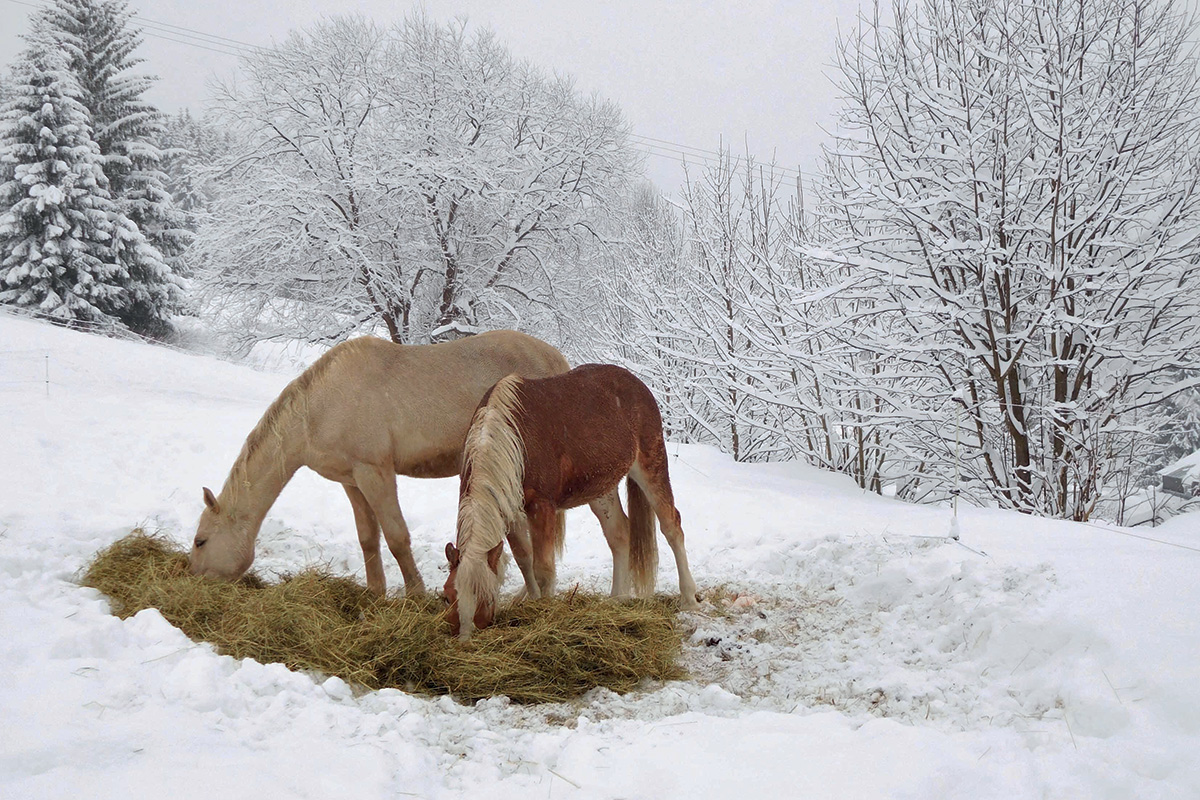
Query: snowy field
[(846, 650)]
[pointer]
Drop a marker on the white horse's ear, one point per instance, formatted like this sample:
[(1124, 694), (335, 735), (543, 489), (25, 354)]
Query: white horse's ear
[(493, 558), (210, 500), (452, 555)]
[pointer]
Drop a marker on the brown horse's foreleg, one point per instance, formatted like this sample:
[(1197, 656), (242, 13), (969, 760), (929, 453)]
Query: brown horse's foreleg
[(543, 529), (522, 551), (615, 525), (650, 473), (379, 487), (368, 537)]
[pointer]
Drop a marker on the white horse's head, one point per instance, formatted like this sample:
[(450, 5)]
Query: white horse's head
[(476, 596), (224, 543)]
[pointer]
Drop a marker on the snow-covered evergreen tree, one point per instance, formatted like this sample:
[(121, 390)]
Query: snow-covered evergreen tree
[(57, 229), (190, 147), (1179, 435), (99, 44)]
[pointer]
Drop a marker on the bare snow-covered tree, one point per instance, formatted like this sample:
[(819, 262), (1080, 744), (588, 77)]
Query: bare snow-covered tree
[(418, 178), (1014, 192), (630, 295), (712, 303)]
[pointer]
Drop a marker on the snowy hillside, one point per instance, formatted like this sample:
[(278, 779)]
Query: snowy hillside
[(846, 650)]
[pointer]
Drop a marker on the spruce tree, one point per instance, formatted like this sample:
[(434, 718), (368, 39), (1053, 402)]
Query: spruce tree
[(100, 44), (190, 146), (59, 222)]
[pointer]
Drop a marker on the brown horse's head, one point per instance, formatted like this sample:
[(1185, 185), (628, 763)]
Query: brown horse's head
[(483, 598), (224, 545)]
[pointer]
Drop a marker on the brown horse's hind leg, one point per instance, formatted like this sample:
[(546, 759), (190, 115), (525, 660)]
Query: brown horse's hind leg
[(543, 530), (368, 537), (379, 487), (650, 473), (615, 525), (522, 550)]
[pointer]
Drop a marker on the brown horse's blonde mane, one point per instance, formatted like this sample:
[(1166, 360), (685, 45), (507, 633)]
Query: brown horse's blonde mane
[(493, 498), (290, 403)]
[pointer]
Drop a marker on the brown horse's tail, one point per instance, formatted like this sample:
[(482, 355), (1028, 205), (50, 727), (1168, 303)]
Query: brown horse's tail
[(560, 533), (643, 547)]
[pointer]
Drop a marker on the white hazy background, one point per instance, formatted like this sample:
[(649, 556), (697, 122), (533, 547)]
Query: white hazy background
[(754, 76)]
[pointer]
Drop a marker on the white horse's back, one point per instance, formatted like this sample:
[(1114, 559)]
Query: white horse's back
[(364, 412)]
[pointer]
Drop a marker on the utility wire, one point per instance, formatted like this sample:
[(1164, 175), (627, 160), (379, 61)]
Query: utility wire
[(711, 155), (166, 38), (712, 158), (166, 31), (1144, 538), (224, 45), (221, 40)]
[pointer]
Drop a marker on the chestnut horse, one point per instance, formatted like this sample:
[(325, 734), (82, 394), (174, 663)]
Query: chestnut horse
[(536, 447), (364, 412)]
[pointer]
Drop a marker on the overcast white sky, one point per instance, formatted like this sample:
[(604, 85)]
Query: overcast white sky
[(691, 73)]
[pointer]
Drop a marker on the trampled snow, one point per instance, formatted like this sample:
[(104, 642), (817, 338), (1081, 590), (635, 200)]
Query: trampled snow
[(846, 649)]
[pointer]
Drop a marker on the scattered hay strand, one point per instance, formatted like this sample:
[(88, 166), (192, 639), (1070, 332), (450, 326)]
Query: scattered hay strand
[(537, 651)]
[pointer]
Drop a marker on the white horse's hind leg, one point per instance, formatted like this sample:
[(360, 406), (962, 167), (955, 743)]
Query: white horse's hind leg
[(379, 487), (368, 538), (522, 551), (615, 525)]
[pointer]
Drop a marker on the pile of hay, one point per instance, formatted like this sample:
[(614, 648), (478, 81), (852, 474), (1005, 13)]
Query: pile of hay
[(537, 651)]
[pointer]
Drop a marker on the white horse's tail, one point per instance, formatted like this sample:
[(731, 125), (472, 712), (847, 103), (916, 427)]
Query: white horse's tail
[(492, 499)]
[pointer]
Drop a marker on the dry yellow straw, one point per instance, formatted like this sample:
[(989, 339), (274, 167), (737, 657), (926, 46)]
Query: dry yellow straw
[(537, 651)]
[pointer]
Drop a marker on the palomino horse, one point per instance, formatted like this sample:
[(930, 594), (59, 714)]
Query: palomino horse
[(536, 447), (364, 412)]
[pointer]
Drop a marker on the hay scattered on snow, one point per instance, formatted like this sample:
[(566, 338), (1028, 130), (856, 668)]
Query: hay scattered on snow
[(537, 651)]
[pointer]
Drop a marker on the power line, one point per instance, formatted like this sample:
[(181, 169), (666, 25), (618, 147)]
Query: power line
[(1144, 538), (711, 158), (652, 141), (224, 45), (194, 41), (166, 38), (180, 35), (687, 154), (222, 40), (698, 150)]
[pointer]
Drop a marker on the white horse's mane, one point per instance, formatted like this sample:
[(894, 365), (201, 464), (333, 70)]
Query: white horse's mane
[(267, 437)]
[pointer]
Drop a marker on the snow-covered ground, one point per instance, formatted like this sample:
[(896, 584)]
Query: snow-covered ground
[(846, 650)]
